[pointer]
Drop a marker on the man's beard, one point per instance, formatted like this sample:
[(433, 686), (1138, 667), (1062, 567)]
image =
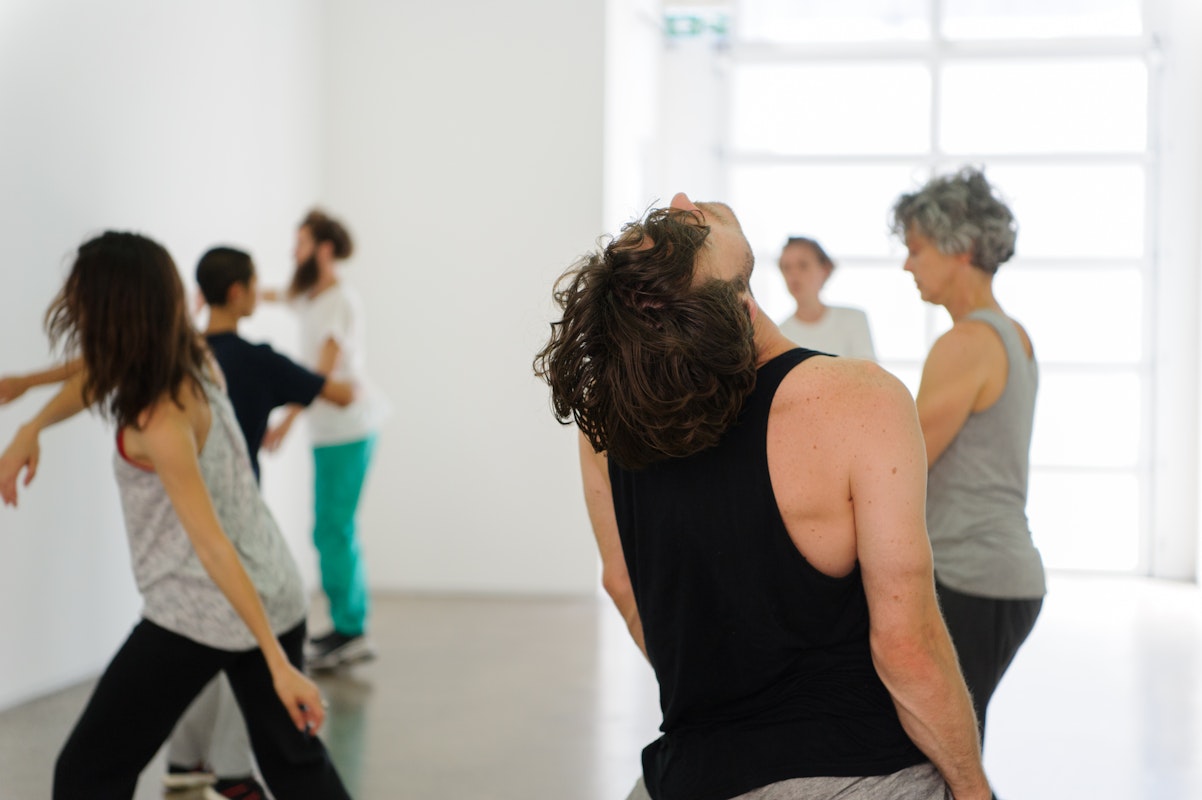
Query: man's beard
[(305, 277)]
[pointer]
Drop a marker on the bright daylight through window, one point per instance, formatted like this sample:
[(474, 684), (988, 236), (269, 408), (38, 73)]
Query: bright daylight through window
[(837, 106)]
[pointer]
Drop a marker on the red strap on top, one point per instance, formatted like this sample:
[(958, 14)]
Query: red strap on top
[(126, 458)]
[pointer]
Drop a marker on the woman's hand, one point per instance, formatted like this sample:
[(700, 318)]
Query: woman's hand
[(22, 453), (12, 387), (302, 698)]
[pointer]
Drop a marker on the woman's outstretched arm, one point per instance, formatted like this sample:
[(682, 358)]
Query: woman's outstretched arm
[(13, 386), (23, 452)]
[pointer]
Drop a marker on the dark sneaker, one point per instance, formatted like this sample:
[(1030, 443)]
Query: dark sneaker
[(236, 789), (180, 778), (338, 650), (319, 644)]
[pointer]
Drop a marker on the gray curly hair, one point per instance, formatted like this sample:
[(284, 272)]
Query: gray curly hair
[(961, 214)]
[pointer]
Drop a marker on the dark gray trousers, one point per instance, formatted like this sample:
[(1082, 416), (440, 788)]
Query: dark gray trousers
[(986, 632)]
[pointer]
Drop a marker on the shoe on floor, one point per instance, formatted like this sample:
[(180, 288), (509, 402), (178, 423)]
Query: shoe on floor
[(338, 650), (180, 778), (319, 644), (236, 789)]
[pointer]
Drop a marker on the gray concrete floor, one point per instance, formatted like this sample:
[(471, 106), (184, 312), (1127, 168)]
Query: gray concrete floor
[(507, 699)]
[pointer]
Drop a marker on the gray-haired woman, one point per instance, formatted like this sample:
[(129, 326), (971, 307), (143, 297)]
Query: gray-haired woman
[(976, 404)]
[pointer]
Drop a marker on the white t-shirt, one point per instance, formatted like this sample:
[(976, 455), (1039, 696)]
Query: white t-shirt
[(840, 332), (337, 313)]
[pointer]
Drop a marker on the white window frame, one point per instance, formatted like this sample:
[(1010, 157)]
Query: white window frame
[(1171, 424)]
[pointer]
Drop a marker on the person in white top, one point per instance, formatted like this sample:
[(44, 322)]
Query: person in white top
[(835, 330), (343, 438)]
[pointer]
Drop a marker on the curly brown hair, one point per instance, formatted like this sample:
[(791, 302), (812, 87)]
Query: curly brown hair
[(651, 361), (123, 309), (327, 229)]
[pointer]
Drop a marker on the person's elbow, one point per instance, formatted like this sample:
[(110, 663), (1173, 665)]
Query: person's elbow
[(903, 653), (616, 583), (340, 393)]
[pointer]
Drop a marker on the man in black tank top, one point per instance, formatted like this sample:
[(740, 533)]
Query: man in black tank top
[(759, 512)]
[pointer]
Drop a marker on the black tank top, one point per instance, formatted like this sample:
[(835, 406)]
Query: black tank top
[(763, 662)]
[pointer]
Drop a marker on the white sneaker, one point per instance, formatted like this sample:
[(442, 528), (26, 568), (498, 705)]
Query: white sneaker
[(195, 778)]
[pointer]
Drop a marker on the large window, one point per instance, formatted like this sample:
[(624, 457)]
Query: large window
[(837, 106)]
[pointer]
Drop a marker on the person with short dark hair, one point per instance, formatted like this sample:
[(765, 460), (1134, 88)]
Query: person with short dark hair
[(976, 404), (758, 508), (210, 743), (260, 379)]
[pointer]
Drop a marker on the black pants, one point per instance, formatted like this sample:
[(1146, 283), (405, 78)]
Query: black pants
[(146, 688), (986, 632)]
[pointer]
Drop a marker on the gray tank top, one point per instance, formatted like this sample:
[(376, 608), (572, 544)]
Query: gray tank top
[(177, 592), (977, 489)]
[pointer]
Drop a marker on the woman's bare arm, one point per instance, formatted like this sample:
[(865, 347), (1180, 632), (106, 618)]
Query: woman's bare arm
[(13, 386), (169, 444), (24, 452)]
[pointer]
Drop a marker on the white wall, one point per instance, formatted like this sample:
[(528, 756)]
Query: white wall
[(191, 122), (1177, 25), (463, 144), (693, 119), (465, 153), (633, 63)]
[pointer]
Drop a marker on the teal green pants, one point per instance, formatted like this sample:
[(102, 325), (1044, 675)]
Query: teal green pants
[(338, 474)]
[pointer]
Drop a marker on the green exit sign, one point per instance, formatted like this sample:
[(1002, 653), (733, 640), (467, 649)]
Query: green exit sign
[(689, 26)]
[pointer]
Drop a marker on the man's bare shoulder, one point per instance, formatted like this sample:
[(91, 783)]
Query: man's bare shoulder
[(841, 389), (834, 421)]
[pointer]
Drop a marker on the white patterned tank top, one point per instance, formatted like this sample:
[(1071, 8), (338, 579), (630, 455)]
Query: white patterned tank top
[(177, 592)]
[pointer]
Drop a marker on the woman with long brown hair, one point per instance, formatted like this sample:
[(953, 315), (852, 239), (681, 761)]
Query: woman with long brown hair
[(221, 591)]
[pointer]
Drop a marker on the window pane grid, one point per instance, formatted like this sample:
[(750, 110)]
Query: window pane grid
[(855, 260), (744, 156), (943, 50), (1050, 468), (971, 19), (1080, 209), (759, 52)]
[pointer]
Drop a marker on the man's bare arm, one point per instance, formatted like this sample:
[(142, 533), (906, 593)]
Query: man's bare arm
[(598, 496), (341, 393), (910, 645)]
